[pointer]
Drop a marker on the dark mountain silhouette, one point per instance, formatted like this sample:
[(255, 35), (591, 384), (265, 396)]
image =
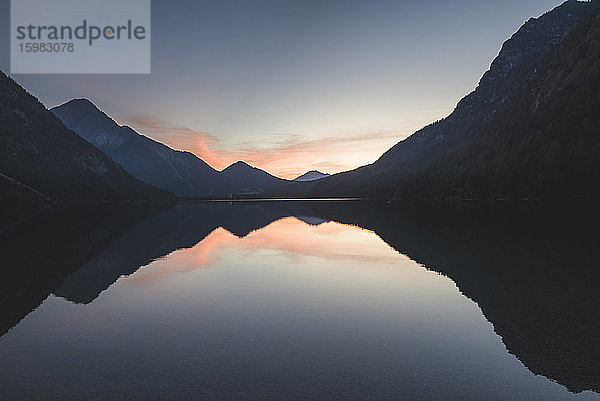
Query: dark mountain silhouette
[(544, 144), (536, 285), (39, 254), (180, 172), (248, 179), (312, 175), (43, 161), (155, 163), (528, 129)]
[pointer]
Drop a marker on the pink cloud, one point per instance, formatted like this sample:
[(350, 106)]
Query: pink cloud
[(287, 158), (202, 144)]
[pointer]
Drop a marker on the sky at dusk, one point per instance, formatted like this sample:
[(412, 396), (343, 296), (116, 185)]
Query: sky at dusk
[(291, 86)]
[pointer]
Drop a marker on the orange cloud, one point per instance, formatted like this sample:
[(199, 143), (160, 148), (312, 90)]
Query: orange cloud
[(331, 154), (202, 144), (288, 157)]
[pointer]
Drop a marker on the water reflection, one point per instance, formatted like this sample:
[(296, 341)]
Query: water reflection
[(40, 254), (532, 272)]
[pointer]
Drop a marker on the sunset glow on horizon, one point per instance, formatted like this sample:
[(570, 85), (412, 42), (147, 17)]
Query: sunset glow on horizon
[(286, 158), (290, 87)]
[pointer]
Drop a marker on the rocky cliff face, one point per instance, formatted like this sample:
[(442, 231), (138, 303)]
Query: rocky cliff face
[(517, 64), (515, 67), (543, 142), (511, 74)]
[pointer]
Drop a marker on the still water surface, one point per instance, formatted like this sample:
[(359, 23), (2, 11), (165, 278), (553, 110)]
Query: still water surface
[(287, 306)]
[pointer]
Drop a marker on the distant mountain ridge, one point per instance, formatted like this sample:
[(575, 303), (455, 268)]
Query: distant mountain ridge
[(528, 130), (312, 175), (155, 163), (248, 179)]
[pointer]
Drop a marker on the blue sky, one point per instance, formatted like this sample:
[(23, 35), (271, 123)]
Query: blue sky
[(294, 85)]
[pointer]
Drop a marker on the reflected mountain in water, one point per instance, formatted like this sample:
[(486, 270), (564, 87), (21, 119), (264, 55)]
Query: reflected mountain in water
[(38, 255), (180, 227), (533, 271)]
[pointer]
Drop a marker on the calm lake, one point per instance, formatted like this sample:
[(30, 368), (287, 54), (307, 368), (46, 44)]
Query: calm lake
[(302, 300)]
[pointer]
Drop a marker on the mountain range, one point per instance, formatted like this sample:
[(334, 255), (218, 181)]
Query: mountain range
[(180, 172), (530, 129)]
